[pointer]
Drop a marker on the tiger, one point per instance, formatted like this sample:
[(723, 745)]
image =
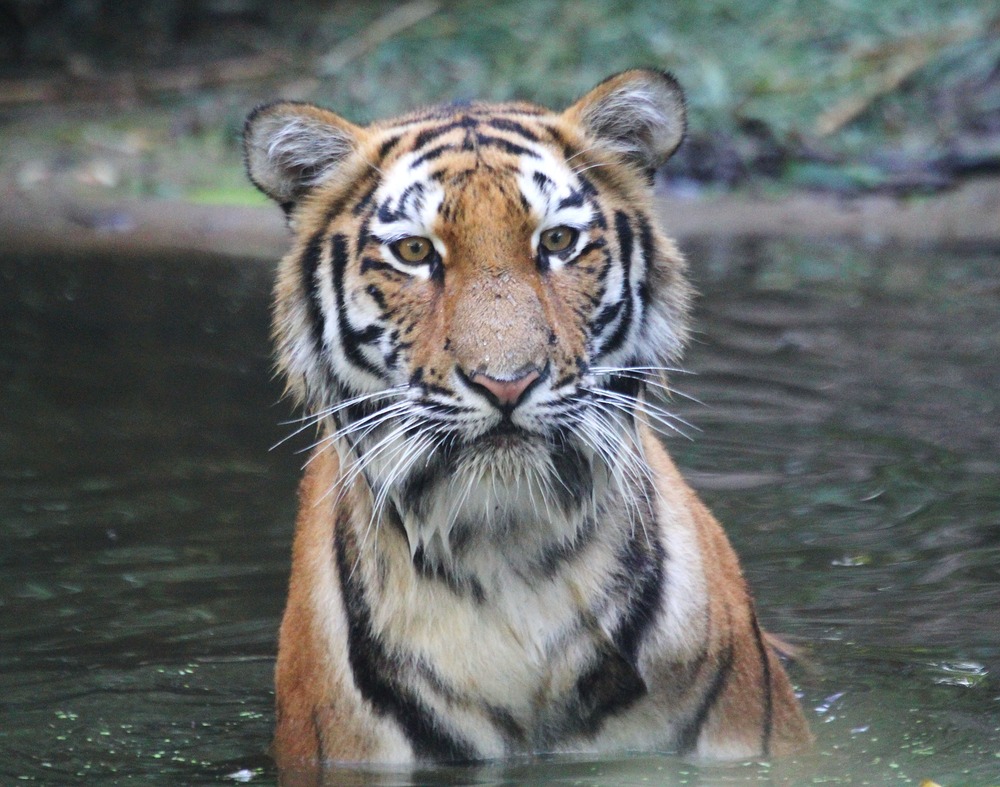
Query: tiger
[(494, 555)]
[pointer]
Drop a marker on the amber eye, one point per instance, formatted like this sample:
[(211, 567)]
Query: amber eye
[(558, 239), (413, 250)]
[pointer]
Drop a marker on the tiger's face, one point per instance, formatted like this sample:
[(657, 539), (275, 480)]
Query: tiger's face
[(476, 296)]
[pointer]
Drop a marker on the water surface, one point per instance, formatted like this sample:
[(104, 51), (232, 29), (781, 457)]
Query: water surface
[(848, 438)]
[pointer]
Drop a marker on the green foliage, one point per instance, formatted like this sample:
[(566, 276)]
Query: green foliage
[(841, 95), (785, 63)]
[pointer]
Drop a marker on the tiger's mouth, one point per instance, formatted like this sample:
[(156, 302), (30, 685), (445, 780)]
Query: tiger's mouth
[(505, 431), (505, 438)]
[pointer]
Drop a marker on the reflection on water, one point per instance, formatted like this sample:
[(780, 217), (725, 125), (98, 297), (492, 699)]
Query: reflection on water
[(849, 438)]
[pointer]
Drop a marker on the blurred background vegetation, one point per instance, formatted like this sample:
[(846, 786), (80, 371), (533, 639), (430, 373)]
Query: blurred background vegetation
[(148, 98)]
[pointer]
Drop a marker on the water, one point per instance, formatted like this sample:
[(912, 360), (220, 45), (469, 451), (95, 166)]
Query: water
[(850, 440)]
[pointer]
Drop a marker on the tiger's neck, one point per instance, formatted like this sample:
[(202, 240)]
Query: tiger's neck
[(483, 522)]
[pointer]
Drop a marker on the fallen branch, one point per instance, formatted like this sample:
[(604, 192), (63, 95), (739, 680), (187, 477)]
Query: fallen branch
[(381, 30), (88, 84), (903, 58)]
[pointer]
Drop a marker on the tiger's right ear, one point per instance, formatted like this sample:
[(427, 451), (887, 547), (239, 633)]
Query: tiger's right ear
[(638, 114), (289, 147)]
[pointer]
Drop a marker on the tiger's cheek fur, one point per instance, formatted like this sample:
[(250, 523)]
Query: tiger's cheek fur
[(414, 323)]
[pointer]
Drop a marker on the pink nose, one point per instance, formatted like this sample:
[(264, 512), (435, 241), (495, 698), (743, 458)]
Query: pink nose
[(507, 392)]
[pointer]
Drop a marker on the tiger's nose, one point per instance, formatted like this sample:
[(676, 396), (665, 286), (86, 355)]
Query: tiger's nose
[(506, 392)]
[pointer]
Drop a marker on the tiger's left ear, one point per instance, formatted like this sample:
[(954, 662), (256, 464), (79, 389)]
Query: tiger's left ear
[(638, 114)]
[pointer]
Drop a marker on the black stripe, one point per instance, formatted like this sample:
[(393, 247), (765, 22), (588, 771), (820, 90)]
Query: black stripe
[(611, 685), (350, 339), (376, 295), (375, 264), (365, 200), (414, 191), (566, 379), (506, 124), (460, 585), (604, 318), (487, 140), (508, 726), (574, 200), (588, 188), (430, 134), (555, 555), (571, 472), (647, 243), (569, 150), (385, 212), (602, 275), (501, 718), (613, 682), (370, 334), (443, 408), (417, 489), (599, 220), (687, 739), (387, 145), (643, 565), (396, 347), (432, 154), (363, 235), (376, 671), (338, 205), (767, 722), (597, 243), (626, 238), (311, 258), (543, 181), (624, 385)]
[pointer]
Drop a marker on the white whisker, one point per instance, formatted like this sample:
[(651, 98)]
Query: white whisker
[(654, 413), (313, 419)]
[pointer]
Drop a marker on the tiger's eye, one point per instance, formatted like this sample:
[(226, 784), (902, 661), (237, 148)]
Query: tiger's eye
[(413, 249), (558, 239)]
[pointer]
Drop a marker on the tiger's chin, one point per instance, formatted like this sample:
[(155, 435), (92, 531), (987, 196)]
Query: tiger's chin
[(509, 497)]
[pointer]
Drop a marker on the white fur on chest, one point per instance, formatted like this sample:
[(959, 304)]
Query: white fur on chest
[(517, 646)]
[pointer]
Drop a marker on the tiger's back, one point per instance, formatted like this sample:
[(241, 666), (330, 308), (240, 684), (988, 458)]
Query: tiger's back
[(494, 554)]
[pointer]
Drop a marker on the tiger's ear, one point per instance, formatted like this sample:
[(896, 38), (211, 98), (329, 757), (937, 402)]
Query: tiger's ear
[(290, 147), (638, 113)]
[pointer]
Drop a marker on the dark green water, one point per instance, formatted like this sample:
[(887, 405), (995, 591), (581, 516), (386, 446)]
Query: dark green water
[(850, 440)]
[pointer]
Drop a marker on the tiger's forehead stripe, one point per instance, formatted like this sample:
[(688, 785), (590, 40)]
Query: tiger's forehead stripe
[(479, 109), (521, 128), (512, 130)]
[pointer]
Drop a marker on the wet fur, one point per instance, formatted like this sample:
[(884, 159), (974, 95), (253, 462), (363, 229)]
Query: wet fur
[(473, 580)]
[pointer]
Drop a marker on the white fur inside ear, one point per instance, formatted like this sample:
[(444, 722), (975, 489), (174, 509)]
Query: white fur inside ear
[(306, 146), (642, 117), (289, 152)]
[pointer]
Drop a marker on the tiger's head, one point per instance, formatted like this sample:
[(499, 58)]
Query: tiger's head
[(476, 296)]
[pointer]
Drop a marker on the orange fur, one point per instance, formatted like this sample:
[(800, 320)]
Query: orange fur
[(559, 623)]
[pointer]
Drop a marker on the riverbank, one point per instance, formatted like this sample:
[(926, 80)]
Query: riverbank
[(49, 222)]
